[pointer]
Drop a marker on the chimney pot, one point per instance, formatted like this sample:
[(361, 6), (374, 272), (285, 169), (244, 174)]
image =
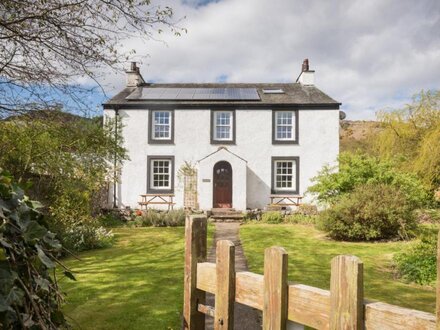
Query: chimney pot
[(305, 65), (134, 77), (307, 76)]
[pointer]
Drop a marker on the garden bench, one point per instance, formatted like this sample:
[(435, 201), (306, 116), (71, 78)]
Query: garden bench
[(157, 199), (285, 200)]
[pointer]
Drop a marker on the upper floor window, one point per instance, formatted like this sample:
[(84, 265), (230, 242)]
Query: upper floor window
[(222, 127), (161, 128), (285, 127)]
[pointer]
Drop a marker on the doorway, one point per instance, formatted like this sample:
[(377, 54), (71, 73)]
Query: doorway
[(222, 185)]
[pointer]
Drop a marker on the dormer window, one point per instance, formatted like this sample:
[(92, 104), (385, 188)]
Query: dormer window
[(222, 127), (285, 127), (161, 126)]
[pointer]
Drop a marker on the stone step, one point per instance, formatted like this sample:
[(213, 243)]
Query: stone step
[(223, 211)]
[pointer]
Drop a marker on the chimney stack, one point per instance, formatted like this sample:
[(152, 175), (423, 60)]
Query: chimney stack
[(305, 66), (307, 76), (134, 77)]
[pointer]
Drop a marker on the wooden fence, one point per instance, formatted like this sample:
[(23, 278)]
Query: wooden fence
[(343, 307)]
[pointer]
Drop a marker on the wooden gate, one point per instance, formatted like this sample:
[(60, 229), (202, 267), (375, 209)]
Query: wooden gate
[(343, 307)]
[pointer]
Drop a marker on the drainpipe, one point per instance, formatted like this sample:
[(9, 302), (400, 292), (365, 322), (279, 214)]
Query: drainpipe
[(115, 174)]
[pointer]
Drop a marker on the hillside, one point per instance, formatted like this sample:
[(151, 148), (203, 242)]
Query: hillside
[(353, 134)]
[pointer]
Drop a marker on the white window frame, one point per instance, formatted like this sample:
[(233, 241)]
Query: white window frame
[(216, 125), (154, 124), (293, 177), (169, 174), (292, 126)]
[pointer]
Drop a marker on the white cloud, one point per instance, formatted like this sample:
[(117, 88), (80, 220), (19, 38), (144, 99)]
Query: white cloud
[(367, 54)]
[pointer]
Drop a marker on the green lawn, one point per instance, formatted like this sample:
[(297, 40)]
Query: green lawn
[(136, 284), (310, 253)]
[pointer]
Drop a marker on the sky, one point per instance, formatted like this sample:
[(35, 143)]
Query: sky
[(369, 55)]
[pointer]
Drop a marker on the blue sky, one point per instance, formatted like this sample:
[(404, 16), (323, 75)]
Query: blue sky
[(369, 55)]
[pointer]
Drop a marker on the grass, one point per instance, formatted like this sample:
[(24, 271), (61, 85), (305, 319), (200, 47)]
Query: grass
[(310, 253), (136, 284)]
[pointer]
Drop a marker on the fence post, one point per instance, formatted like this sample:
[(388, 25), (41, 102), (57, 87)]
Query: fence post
[(437, 309), (225, 288), (275, 289), (346, 293), (195, 251)]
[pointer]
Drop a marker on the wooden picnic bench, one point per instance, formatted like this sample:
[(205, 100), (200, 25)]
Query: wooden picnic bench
[(285, 200), (157, 199)]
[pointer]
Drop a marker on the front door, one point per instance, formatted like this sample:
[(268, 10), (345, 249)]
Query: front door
[(222, 185)]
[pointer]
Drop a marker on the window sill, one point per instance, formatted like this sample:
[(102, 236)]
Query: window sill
[(284, 192), (160, 191), (152, 141), (222, 142), (284, 142)]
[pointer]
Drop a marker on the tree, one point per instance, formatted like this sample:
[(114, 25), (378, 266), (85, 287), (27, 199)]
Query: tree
[(47, 45), (410, 137), (66, 161)]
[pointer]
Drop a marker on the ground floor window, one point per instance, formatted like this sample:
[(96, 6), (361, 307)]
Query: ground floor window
[(285, 175), (160, 174)]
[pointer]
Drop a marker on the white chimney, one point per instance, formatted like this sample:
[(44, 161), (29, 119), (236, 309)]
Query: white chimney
[(134, 77), (307, 76)]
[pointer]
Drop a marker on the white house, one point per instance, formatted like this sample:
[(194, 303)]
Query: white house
[(222, 145)]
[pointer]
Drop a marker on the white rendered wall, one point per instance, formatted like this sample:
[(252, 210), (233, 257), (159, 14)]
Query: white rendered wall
[(318, 145)]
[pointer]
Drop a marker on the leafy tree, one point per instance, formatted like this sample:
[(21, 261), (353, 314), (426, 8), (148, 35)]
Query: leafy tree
[(66, 160), (411, 136), (47, 46), (356, 169), (29, 293)]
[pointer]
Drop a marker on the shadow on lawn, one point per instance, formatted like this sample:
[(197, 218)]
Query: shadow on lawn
[(136, 284), (310, 255)]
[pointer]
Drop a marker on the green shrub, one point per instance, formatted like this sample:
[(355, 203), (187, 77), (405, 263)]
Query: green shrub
[(307, 209), (86, 237), (299, 218), (370, 212), (110, 220), (155, 218), (272, 217), (80, 233), (418, 263), (29, 294), (359, 169)]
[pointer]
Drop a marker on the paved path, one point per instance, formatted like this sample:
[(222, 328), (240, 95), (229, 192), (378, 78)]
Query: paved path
[(245, 318)]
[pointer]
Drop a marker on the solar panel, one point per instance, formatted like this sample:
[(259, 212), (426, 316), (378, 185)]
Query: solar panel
[(172, 93)]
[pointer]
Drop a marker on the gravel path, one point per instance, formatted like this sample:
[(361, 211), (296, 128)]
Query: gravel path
[(245, 318)]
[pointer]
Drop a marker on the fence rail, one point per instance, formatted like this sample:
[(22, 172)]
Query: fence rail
[(343, 307)]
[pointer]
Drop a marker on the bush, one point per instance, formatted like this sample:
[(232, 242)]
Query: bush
[(29, 294), (418, 263), (86, 237), (370, 212), (358, 169), (272, 217), (155, 218), (110, 220), (81, 233), (299, 218)]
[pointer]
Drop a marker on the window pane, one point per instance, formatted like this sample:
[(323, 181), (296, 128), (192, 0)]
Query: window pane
[(223, 126), (162, 125), (160, 174), (285, 172), (285, 125)]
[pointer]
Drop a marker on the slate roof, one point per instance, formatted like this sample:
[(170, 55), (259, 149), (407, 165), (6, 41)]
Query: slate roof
[(295, 94)]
